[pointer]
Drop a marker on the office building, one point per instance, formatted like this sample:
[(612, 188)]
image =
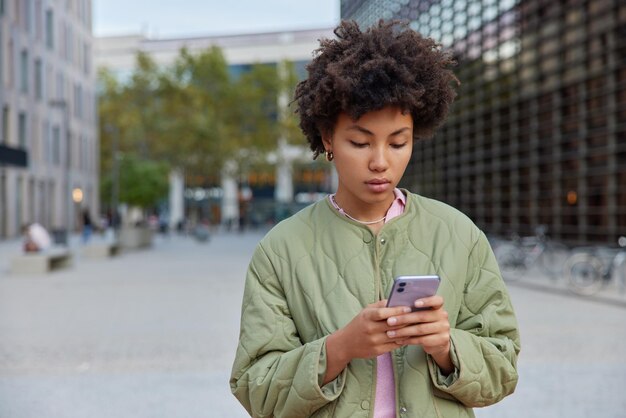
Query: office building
[(48, 136), (537, 135)]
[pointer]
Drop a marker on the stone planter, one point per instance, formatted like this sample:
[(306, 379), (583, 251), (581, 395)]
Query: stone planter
[(131, 237)]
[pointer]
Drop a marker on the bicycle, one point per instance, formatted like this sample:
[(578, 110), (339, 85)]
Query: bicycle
[(587, 271), (517, 256)]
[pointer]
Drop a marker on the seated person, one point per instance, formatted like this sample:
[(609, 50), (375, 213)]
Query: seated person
[(36, 238)]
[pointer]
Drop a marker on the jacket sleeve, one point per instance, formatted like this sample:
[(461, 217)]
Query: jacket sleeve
[(274, 373), (485, 339)]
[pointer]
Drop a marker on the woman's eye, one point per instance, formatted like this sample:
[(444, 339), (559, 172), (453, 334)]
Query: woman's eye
[(358, 144), (398, 146)]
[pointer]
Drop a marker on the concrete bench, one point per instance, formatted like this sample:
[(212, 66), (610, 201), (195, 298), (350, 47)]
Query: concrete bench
[(101, 250), (43, 262)]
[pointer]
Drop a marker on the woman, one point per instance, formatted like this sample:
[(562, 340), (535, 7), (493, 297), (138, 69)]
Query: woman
[(316, 336)]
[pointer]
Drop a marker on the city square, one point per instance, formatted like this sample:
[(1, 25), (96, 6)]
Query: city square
[(153, 333), (147, 147)]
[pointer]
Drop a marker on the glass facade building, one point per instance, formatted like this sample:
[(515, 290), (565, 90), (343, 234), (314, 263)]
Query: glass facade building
[(537, 135)]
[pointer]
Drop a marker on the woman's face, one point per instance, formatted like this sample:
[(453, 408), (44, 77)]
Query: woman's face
[(370, 155)]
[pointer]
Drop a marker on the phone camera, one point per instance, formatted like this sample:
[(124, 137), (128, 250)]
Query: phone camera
[(400, 290), (402, 284)]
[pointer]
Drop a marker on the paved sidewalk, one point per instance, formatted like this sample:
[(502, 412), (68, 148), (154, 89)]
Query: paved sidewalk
[(152, 333), (535, 279)]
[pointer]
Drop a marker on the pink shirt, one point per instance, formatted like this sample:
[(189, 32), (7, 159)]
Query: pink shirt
[(385, 402)]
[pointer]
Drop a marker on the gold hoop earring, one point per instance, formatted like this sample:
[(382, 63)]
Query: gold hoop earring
[(329, 156)]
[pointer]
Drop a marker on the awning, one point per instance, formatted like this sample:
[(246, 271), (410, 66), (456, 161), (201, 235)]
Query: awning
[(13, 156)]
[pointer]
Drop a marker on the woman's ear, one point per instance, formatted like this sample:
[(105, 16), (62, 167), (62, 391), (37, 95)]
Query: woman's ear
[(327, 141)]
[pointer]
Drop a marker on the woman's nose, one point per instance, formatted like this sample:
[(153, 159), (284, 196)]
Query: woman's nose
[(378, 161)]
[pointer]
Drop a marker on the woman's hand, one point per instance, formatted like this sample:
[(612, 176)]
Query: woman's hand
[(429, 328), (364, 337)]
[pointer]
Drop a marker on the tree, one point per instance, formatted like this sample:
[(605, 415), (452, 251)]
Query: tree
[(289, 122), (143, 183), (194, 94), (193, 115)]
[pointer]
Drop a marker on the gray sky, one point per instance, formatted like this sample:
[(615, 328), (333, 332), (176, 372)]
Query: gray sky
[(174, 18)]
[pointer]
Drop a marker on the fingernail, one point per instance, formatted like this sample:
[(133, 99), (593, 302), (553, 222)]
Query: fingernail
[(391, 334), (406, 309), (419, 303), (392, 321)]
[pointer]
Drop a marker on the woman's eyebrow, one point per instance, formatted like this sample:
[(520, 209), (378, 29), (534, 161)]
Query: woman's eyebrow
[(370, 133), (360, 129)]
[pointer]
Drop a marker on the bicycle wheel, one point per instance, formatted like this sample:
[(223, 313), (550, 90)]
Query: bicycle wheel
[(553, 258), (511, 261), (583, 273)]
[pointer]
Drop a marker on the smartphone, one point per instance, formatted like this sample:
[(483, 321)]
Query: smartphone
[(407, 289)]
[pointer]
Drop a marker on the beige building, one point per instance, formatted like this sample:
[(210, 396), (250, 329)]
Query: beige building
[(48, 124)]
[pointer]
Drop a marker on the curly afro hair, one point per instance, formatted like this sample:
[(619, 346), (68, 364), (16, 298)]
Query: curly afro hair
[(360, 72)]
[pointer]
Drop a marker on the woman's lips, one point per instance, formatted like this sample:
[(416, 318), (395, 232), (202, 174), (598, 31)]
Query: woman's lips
[(378, 186)]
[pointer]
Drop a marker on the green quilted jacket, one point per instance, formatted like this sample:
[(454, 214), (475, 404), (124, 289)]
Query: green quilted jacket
[(315, 271)]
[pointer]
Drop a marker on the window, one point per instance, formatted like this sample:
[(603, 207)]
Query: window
[(27, 15), (10, 63), (47, 146), (78, 101), (56, 145), (38, 19), (5, 124), (21, 130), (49, 83), (24, 71), (38, 79), (60, 93), (1, 7), (49, 29), (86, 56), (1, 58), (74, 101), (19, 183), (3, 204), (88, 21), (69, 43)]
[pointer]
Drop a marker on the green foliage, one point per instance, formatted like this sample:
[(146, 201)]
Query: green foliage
[(143, 183), (290, 128), (192, 115)]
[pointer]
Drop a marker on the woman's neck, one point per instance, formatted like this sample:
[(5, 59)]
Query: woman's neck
[(362, 212)]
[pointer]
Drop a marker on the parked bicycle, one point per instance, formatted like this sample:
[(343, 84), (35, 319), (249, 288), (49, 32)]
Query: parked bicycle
[(588, 271), (517, 256)]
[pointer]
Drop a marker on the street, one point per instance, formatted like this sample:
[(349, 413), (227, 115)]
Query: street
[(153, 334)]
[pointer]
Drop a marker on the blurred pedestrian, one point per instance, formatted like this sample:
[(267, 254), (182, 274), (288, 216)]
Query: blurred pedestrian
[(35, 238), (87, 225), (316, 336)]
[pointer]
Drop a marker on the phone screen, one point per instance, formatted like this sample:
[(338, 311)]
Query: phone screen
[(407, 289)]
